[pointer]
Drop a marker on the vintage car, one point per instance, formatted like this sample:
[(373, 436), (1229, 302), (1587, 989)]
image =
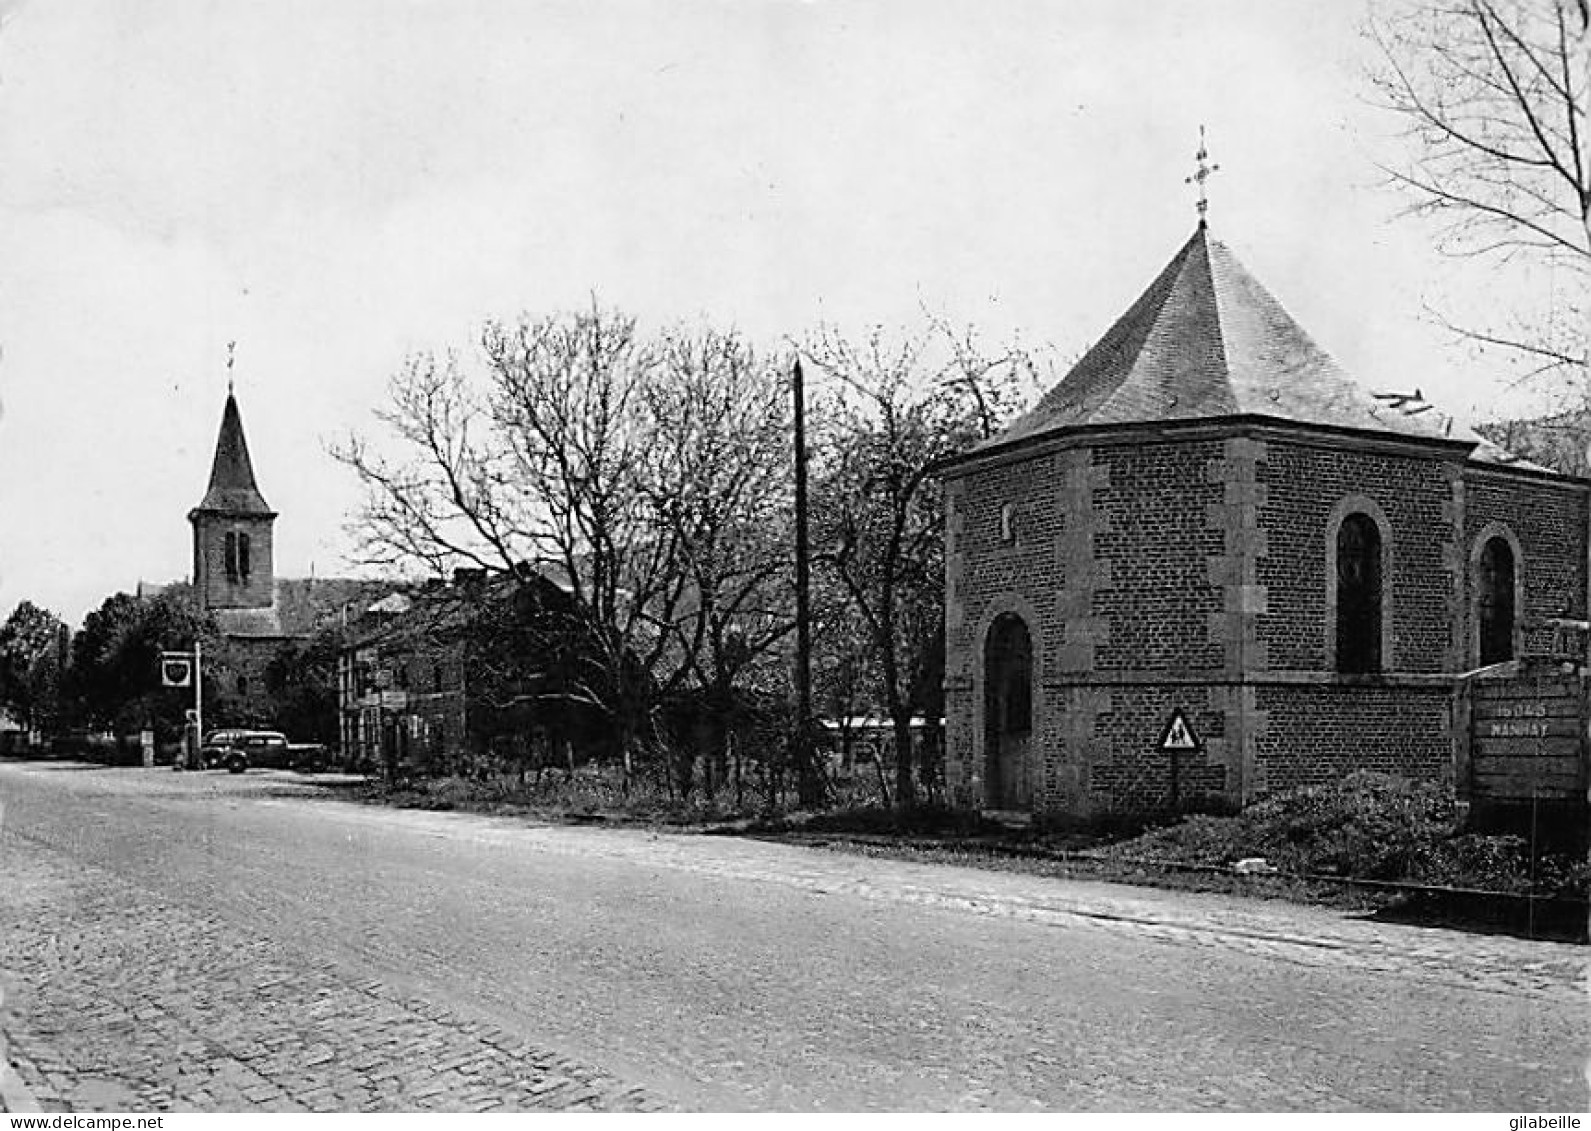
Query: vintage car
[(239, 750)]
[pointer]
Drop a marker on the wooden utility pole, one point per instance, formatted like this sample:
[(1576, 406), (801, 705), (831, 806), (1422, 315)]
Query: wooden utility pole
[(809, 787), (198, 698)]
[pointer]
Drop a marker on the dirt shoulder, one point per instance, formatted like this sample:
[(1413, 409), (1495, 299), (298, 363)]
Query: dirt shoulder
[(1119, 853)]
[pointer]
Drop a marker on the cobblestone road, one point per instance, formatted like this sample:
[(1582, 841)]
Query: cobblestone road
[(123, 1000), (204, 942)]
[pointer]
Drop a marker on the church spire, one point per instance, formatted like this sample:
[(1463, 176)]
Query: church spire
[(232, 487)]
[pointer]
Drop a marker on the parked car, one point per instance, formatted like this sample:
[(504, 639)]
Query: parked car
[(239, 750), (216, 743), (309, 757)]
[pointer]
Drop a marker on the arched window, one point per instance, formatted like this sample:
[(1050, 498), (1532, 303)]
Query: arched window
[(243, 556), (1494, 601), (232, 555), (1359, 595)]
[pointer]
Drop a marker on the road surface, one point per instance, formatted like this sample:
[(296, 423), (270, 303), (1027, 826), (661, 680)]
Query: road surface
[(210, 942)]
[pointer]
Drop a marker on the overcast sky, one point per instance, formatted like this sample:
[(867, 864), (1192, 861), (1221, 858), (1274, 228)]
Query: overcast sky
[(333, 185)]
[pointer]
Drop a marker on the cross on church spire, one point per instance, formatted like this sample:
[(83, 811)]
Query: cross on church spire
[(1202, 174)]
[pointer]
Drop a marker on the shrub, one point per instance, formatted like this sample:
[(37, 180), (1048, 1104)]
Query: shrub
[(1198, 839), (1491, 863), (592, 791), (1366, 826)]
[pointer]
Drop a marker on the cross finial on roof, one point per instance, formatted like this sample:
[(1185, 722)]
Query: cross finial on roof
[(231, 347), (1202, 174)]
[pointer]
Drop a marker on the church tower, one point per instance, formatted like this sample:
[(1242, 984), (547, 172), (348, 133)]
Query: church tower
[(232, 527)]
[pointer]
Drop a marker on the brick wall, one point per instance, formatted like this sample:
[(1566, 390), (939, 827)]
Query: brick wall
[(1549, 523), (996, 563), (1127, 770), (1114, 565), (981, 565), (1310, 734), (1155, 539), (1302, 484)]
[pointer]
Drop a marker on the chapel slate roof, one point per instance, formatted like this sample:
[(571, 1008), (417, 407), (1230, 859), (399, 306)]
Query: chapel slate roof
[(232, 488), (1207, 340)]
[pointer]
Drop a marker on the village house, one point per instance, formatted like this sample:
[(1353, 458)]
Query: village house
[(447, 677), (1208, 566)]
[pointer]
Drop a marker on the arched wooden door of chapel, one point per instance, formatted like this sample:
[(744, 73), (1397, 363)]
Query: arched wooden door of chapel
[(1008, 713)]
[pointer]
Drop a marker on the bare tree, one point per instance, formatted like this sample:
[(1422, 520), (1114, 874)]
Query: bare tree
[(1493, 95), (636, 467), (716, 474), (896, 407), (569, 403)]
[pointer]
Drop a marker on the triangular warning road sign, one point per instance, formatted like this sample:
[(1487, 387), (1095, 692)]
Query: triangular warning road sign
[(1178, 734)]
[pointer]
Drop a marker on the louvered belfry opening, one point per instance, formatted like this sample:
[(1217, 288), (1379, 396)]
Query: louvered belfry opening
[(237, 563)]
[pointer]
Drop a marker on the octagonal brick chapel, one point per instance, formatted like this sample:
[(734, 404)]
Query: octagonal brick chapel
[(1208, 524)]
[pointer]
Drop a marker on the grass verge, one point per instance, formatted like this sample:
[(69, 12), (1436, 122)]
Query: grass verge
[(1368, 842)]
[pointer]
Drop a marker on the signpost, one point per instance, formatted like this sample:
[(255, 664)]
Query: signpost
[(1176, 737), (1526, 738), (186, 669)]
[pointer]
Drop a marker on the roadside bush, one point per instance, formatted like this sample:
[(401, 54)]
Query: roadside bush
[(1491, 863), (1366, 826), (1503, 863), (591, 792), (1198, 839)]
